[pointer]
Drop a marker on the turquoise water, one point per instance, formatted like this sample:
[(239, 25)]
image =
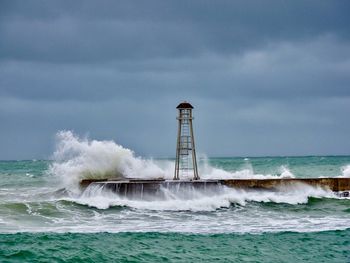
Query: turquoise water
[(330, 246), (309, 166), (44, 217)]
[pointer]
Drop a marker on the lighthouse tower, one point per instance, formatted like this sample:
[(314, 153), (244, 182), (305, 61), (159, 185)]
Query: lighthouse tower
[(186, 162)]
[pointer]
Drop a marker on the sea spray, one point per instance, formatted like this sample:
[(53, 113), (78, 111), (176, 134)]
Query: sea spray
[(345, 171), (246, 171), (285, 172), (34, 204), (80, 158), (189, 198)]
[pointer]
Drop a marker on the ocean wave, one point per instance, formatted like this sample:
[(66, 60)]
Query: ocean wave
[(345, 171), (78, 158), (191, 199)]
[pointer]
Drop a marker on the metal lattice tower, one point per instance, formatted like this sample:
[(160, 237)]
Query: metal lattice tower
[(186, 161)]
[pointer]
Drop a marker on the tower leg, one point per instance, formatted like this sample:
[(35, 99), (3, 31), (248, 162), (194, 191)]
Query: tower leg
[(177, 160), (194, 159)]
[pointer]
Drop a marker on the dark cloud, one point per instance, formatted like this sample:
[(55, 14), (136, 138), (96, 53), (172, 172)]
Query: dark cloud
[(317, 68), (90, 31), (266, 77)]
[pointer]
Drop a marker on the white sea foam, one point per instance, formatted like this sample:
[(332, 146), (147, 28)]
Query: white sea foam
[(190, 199), (209, 172), (286, 173), (35, 205), (345, 171), (80, 158)]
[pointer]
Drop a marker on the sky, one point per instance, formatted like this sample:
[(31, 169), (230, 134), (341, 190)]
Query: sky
[(265, 77)]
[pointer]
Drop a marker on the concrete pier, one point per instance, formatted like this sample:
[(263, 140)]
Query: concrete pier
[(127, 186)]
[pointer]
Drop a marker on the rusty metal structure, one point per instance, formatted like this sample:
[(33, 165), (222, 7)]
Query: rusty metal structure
[(186, 161)]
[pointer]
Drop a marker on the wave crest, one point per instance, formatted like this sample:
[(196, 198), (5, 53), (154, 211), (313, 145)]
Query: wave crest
[(191, 199), (345, 171), (79, 158)]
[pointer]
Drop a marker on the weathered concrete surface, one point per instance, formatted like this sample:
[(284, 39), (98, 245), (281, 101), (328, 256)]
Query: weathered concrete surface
[(131, 185), (333, 184), (150, 189)]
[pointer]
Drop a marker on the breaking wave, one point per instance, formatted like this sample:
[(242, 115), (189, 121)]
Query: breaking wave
[(191, 199), (345, 171), (78, 158)]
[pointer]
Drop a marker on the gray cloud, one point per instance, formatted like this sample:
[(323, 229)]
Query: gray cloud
[(266, 77), (302, 69), (88, 31)]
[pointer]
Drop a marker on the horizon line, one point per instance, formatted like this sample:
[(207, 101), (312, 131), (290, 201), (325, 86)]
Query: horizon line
[(209, 157)]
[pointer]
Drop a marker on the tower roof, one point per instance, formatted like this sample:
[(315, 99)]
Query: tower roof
[(184, 105)]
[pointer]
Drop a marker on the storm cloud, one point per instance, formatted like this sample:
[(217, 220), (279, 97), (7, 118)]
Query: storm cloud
[(265, 77)]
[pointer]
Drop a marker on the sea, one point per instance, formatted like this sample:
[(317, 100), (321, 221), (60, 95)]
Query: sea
[(46, 217)]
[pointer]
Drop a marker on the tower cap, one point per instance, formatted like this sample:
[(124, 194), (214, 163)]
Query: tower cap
[(184, 105)]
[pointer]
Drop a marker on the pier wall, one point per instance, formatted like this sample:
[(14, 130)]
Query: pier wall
[(333, 184), (153, 186)]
